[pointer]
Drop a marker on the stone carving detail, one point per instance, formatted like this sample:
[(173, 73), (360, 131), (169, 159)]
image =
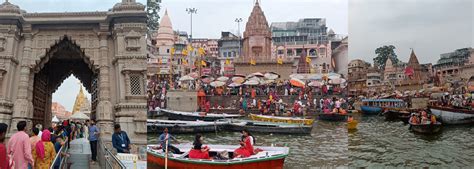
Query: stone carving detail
[(3, 43), (132, 41)]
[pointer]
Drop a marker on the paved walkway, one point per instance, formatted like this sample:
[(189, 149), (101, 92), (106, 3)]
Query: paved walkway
[(94, 166)]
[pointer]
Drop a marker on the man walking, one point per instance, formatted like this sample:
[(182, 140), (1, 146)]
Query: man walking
[(20, 148), (93, 137), (120, 140)]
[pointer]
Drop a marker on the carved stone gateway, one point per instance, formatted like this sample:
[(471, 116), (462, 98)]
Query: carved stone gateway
[(104, 50)]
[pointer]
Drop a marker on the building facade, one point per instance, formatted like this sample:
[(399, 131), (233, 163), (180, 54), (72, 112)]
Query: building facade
[(357, 77), (229, 48), (449, 66)]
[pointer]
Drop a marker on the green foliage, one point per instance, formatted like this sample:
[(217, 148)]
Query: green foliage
[(152, 9), (383, 53)]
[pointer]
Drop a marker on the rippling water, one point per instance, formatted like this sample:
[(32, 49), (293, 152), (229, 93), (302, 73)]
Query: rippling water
[(378, 143), (326, 146)]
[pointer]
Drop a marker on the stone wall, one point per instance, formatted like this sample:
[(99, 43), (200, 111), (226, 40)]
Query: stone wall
[(182, 100)]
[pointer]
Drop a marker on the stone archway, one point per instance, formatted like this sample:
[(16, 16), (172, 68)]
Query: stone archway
[(106, 50), (63, 59)]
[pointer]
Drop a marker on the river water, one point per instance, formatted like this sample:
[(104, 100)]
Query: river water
[(378, 143), (326, 146)]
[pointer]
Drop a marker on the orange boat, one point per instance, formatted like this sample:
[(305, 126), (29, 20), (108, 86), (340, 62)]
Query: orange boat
[(269, 158)]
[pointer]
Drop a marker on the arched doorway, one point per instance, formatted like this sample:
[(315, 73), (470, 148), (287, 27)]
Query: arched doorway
[(63, 59)]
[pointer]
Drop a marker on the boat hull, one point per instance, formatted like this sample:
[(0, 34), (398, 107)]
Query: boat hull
[(178, 129), (332, 117), (274, 130), (281, 119), (193, 116), (453, 116), (426, 128), (369, 110)]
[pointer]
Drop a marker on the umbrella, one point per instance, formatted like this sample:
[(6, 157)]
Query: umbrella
[(234, 85), (271, 76), (238, 79), (186, 78), (258, 74), (251, 82), (296, 82), (315, 84), (204, 76), (337, 81), (315, 77), (334, 76), (223, 78), (297, 76), (55, 119), (269, 81), (79, 116), (217, 83), (255, 78), (193, 75), (238, 75), (207, 80)]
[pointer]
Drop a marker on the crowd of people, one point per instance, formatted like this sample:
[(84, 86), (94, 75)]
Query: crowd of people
[(422, 118), (199, 151), (157, 94), (459, 101)]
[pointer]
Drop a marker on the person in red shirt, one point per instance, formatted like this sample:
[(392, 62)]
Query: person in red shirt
[(296, 108), (4, 160), (246, 146), (198, 151), (253, 93)]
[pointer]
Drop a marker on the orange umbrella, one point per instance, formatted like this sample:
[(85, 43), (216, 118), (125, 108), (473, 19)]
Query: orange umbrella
[(296, 82)]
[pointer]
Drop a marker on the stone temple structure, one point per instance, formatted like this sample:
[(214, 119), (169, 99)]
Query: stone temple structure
[(105, 50), (257, 42)]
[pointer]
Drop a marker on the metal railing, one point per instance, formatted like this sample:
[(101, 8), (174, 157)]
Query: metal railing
[(111, 161), (60, 159)]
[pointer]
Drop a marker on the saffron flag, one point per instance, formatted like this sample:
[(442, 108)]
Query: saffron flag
[(172, 50), (253, 62), (185, 52), (280, 61), (308, 60), (190, 48), (160, 61), (203, 63), (227, 62), (201, 51)]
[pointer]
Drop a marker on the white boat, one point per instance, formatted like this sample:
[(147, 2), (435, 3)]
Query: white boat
[(452, 115), (178, 126), (193, 116)]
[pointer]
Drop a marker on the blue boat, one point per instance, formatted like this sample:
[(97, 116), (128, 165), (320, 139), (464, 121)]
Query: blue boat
[(375, 106)]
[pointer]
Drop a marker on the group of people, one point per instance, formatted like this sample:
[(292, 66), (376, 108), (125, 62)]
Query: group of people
[(199, 151), (422, 118), (157, 94), (460, 101)]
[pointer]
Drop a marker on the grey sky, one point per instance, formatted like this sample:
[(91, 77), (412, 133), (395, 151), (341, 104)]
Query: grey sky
[(66, 93), (430, 27), (214, 16)]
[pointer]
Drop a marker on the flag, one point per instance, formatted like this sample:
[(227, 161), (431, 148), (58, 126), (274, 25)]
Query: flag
[(185, 52), (190, 48), (308, 60), (253, 62), (227, 62), (201, 51), (280, 61), (185, 62), (172, 50), (203, 63), (160, 61)]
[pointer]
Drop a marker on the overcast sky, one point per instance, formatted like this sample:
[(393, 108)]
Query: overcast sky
[(214, 16), (430, 27), (66, 93)]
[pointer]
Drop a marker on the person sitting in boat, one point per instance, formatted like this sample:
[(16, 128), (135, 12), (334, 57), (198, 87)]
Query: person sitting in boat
[(424, 117), (165, 136), (326, 110), (246, 146), (413, 119), (350, 119), (198, 151), (433, 119)]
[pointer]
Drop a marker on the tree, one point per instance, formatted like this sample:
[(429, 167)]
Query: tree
[(383, 53), (152, 9)]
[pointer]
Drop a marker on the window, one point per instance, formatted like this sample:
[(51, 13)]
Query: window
[(280, 52), (167, 50), (234, 54), (136, 84), (225, 54), (289, 52)]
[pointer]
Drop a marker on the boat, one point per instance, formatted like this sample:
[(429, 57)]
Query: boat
[(178, 127), (270, 157), (279, 119), (426, 128), (269, 127), (376, 106), (394, 115), (193, 116), (352, 125), (332, 117), (449, 115)]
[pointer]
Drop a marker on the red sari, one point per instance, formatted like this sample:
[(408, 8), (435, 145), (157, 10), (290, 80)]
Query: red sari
[(246, 150), (198, 154), (4, 161)]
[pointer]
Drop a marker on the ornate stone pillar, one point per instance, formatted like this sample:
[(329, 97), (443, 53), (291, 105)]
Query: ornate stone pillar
[(104, 112), (23, 107)]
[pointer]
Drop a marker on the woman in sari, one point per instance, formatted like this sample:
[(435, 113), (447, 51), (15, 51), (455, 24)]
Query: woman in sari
[(246, 146), (44, 153), (199, 151)]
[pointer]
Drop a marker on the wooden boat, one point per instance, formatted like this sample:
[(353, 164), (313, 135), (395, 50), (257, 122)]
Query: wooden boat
[(269, 127), (193, 116), (393, 115), (279, 119), (426, 128), (375, 106), (332, 117), (450, 115), (352, 125), (270, 157), (176, 126)]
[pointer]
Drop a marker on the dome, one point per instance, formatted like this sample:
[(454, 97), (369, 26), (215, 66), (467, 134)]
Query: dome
[(165, 35)]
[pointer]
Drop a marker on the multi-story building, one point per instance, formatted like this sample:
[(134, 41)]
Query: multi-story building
[(310, 35), (357, 77), (229, 49), (209, 45), (450, 65)]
